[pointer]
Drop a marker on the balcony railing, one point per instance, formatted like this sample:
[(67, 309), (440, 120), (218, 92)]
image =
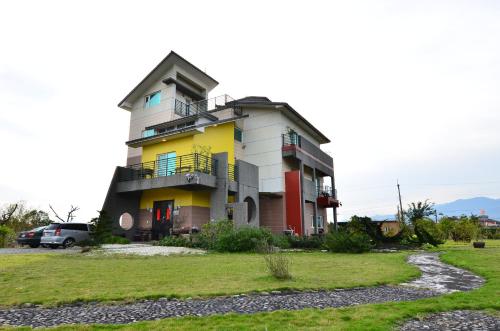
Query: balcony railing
[(170, 166), (232, 172), (184, 109), (326, 191), (294, 139)]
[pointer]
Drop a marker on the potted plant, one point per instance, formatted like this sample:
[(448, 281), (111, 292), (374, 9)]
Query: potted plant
[(479, 243)]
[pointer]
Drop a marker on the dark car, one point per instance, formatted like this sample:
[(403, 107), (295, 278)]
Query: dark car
[(31, 237)]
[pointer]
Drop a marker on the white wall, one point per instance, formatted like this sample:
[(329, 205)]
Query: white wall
[(262, 132)]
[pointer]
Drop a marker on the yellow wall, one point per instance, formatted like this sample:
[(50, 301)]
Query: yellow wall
[(181, 197), (220, 138)]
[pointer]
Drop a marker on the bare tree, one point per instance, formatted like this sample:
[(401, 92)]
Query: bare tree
[(6, 214), (69, 217)]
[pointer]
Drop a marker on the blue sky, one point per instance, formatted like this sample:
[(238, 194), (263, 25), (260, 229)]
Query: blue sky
[(406, 90)]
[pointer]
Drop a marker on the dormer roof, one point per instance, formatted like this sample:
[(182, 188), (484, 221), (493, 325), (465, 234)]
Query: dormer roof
[(156, 74)]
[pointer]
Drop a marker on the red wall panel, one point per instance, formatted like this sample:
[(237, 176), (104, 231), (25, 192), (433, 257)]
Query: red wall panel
[(293, 202)]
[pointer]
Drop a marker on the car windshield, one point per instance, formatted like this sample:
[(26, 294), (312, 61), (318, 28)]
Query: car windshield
[(53, 226), (40, 228)]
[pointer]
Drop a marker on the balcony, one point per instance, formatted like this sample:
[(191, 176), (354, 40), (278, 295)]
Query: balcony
[(327, 197), (295, 145), (218, 103), (189, 171)]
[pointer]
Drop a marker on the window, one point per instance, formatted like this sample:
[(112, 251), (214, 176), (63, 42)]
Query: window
[(166, 164), (238, 134), (148, 133), (152, 100)]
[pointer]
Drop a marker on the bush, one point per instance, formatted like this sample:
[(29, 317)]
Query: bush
[(243, 240), (464, 230), (278, 265), (280, 240), (211, 232), (312, 242), (347, 242), (7, 236), (175, 241), (428, 232), (116, 240)]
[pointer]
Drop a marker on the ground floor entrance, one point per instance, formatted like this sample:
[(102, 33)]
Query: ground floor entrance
[(163, 219)]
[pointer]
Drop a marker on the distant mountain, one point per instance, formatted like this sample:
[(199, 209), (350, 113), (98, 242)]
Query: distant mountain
[(459, 207)]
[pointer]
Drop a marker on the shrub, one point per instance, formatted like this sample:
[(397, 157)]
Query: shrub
[(243, 240), (312, 242), (281, 241), (211, 231), (7, 236), (278, 265), (103, 228), (428, 232), (464, 230), (175, 241), (116, 240), (347, 242)]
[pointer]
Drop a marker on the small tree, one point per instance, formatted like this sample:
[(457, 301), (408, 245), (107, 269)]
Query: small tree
[(103, 227), (419, 210)]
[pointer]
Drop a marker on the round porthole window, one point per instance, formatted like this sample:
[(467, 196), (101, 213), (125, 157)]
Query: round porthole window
[(126, 221)]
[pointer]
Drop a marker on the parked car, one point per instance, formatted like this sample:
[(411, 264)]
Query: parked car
[(65, 234), (31, 237)]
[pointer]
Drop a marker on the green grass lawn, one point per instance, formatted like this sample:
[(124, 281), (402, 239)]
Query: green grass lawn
[(384, 316), (54, 279)]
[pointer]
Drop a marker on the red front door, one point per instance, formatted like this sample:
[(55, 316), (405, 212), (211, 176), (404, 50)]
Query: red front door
[(163, 212)]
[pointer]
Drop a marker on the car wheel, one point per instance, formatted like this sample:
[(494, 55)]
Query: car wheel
[(53, 246), (68, 243), (34, 245)]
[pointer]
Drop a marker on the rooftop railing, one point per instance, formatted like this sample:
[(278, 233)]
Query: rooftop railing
[(171, 166), (185, 109)]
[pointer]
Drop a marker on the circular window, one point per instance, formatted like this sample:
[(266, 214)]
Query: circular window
[(126, 221), (251, 209)]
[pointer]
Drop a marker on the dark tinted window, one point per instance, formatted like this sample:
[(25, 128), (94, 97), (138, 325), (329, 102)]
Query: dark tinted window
[(53, 226), (73, 226), (68, 226), (82, 227)]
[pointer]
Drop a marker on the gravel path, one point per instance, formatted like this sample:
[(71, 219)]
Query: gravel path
[(454, 321), (245, 304), (148, 250)]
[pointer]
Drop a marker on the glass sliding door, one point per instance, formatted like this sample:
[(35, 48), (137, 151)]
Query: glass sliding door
[(166, 164)]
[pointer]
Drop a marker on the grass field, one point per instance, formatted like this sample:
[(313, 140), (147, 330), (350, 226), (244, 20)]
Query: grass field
[(55, 279), (385, 316)]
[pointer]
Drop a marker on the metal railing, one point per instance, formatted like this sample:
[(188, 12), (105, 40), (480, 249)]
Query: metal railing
[(294, 139), (326, 191), (170, 166), (291, 138), (232, 172), (219, 102)]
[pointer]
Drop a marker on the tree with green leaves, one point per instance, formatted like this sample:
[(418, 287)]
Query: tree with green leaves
[(419, 210)]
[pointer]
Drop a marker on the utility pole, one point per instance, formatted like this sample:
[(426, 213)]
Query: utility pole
[(401, 214)]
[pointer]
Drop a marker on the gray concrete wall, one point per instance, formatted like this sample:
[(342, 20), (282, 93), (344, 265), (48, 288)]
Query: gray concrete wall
[(177, 180), (117, 203), (248, 187), (239, 213), (218, 197)]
